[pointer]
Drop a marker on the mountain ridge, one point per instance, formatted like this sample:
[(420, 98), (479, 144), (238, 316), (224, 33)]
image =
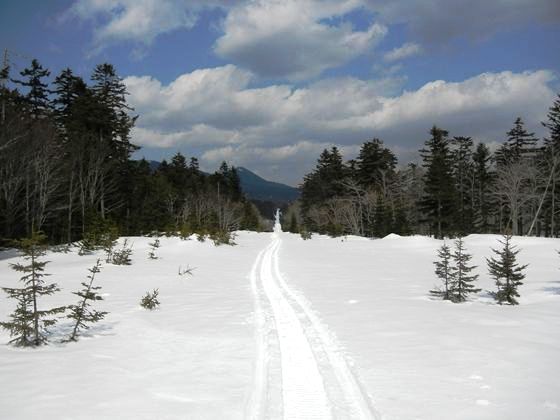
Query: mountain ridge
[(258, 188)]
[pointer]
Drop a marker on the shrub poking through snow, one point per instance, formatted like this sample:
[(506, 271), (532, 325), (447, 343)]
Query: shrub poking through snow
[(109, 247), (100, 234), (82, 313), (305, 234), (506, 272), (222, 237), (443, 267), (28, 325), (462, 282), (122, 256), (188, 270), (150, 300), (153, 247)]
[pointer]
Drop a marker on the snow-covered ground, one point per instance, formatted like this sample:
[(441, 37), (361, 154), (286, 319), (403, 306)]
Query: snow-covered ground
[(278, 327)]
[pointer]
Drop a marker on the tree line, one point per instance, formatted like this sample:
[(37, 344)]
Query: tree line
[(66, 166), (460, 188)]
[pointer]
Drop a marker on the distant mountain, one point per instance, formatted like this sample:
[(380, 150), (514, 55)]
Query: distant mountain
[(154, 164), (258, 188)]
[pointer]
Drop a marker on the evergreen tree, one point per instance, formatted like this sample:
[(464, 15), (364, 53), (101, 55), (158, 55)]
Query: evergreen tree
[(463, 172), (153, 246), (250, 218), (67, 89), (383, 220), (506, 272), (482, 181), (462, 282), (520, 144), (323, 183), (443, 272), (37, 89), (550, 162), (150, 300), (553, 125), (401, 225), (439, 202), (374, 165), (293, 226), (82, 313), (29, 323)]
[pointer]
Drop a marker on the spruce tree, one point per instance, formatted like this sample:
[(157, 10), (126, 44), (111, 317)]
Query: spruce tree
[(520, 144), (439, 202), (293, 227), (462, 282), (374, 164), (443, 272), (82, 313), (506, 272), (482, 181), (150, 300), (153, 247), (551, 162), (383, 220), (463, 171), (553, 125), (28, 323), (37, 94)]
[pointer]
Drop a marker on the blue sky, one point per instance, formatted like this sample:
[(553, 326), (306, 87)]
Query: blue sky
[(267, 84)]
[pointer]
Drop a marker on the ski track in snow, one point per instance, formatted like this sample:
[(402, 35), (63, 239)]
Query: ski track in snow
[(300, 372)]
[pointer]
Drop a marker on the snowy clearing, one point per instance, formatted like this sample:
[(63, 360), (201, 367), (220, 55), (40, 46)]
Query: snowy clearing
[(278, 327)]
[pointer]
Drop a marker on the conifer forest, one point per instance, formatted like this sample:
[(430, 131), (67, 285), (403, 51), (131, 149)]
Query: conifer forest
[(66, 167), (66, 170)]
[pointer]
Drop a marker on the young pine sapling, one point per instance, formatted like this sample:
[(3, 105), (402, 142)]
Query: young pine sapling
[(82, 313), (461, 280), (153, 247), (150, 300), (29, 324), (506, 272), (442, 271), (122, 256)]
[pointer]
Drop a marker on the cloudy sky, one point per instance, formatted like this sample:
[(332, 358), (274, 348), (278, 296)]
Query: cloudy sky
[(268, 84)]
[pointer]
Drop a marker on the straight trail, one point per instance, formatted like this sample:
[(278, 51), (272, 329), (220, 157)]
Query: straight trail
[(300, 371)]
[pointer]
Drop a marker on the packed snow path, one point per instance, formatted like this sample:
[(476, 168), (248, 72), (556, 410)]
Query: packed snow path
[(300, 372)]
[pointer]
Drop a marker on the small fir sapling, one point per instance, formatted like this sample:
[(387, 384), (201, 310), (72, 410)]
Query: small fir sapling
[(82, 313), (305, 234), (507, 273), (150, 300), (108, 245), (442, 271), (462, 282), (153, 246), (28, 325), (122, 256), (222, 237)]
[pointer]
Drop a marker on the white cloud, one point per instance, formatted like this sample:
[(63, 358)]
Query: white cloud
[(294, 39), (407, 50), (441, 20), (299, 39), (215, 114), (140, 21)]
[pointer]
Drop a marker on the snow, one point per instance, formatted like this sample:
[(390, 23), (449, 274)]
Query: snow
[(285, 328)]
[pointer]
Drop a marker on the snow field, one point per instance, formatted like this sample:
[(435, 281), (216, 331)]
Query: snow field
[(356, 311), (427, 359), (193, 357)]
